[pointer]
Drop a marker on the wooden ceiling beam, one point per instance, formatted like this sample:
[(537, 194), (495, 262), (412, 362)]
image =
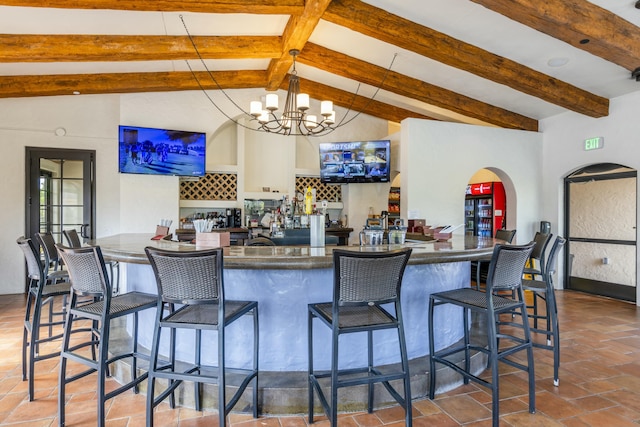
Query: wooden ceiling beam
[(374, 22), (575, 21), (357, 103), (68, 84), (278, 7), (86, 84), (295, 36), (80, 48), (364, 72)]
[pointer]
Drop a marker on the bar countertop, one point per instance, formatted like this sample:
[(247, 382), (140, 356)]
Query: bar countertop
[(129, 248)]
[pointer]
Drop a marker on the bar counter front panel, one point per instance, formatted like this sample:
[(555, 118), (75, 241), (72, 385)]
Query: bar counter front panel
[(285, 279)]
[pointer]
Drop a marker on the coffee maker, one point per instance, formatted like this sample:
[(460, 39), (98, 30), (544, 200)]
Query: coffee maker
[(234, 218)]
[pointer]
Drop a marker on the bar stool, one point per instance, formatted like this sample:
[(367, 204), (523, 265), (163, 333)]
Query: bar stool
[(545, 290), (362, 283), (194, 281), (52, 261), (535, 265), (480, 267), (505, 273), (40, 293), (73, 241), (89, 279)]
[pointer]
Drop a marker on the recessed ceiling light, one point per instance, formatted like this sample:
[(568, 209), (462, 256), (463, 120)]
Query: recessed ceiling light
[(558, 62), (76, 92), (584, 41)]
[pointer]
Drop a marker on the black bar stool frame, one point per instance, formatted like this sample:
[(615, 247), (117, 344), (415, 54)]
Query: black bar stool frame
[(505, 274), (89, 278), (40, 292), (363, 283), (544, 289), (194, 282)]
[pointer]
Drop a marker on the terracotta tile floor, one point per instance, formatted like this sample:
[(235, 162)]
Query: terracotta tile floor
[(599, 383)]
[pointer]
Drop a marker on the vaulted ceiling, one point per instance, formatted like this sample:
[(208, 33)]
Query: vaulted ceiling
[(506, 63)]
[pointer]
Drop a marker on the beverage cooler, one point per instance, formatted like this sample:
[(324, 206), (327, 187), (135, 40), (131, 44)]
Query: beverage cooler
[(484, 209)]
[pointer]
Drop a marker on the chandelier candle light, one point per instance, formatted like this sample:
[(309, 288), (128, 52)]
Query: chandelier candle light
[(294, 119)]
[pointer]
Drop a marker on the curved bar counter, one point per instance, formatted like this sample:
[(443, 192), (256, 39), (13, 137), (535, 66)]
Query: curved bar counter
[(285, 279)]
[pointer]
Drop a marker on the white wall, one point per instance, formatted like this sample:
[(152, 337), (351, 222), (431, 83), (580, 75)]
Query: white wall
[(438, 159), (125, 203), (91, 122), (563, 153)]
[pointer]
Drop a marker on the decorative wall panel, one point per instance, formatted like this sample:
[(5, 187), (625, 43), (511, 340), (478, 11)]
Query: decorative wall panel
[(212, 186), (328, 192)]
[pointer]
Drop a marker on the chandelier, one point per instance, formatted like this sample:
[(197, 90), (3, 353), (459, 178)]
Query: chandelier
[(294, 119)]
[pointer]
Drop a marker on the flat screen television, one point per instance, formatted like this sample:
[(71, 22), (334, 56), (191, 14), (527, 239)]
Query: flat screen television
[(161, 151), (355, 162)]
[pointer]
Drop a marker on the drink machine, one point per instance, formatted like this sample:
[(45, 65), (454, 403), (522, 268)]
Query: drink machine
[(234, 218)]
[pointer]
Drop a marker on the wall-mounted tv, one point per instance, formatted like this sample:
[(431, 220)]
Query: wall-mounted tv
[(355, 162), (161, 151)]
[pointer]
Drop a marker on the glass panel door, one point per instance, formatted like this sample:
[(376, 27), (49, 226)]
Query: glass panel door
[(60, 191)]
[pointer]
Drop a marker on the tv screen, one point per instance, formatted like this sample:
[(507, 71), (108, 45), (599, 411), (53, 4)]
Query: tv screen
[(161, 151), (360, 161)]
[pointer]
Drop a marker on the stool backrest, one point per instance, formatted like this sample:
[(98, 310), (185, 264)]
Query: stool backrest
[(541, 241), (48, 244), (552, 260), (72, 238), (188, 277), (368, 277), (506, 266), (506, 235), (87, 271), (35, 268)]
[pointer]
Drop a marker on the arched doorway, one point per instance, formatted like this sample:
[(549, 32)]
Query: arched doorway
[(495, 206), (600, 225)]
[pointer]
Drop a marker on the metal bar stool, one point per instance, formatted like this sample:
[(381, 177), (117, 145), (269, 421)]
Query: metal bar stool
[(40, 293), (73, 241), (545, 290), (480, 267), (505, 273), (191, 296), (536, 259), (89, 279), (363, 283)]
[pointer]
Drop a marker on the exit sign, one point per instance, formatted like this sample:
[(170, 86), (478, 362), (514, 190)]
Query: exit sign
[(593, 143)]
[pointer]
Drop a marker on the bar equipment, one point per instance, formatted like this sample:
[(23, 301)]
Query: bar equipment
[(372, 234), (397, 232)]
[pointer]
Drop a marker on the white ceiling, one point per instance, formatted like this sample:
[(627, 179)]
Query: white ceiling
[(461, 19)]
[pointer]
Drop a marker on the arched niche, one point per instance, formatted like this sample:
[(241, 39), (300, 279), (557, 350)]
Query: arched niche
[(492, 174)]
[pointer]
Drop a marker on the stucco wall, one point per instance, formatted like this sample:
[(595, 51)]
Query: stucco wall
[(91, 123), (563, 153), (125, 203), (439, 158)]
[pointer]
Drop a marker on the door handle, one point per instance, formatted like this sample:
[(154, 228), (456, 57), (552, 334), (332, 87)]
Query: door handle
[(83, 231)]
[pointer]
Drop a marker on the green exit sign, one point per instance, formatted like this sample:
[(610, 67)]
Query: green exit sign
[(593, 143)]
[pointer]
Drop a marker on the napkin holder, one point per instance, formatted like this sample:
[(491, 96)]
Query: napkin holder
[(213, 239), (161, 231), (439, 235)]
